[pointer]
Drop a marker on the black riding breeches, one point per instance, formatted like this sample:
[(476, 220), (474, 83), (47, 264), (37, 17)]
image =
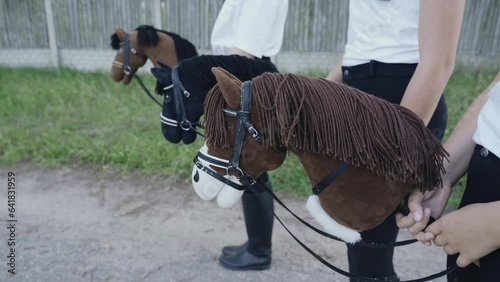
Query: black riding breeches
[(483, 186), (389, 82)]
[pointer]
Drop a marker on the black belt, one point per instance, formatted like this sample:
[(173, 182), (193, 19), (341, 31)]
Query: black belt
[(374, 69)]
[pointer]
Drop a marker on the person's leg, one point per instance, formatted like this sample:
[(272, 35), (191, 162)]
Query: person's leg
[(378, 262), (483, 181), (255, 254), (466, 274), (489, 269), (370, 262)]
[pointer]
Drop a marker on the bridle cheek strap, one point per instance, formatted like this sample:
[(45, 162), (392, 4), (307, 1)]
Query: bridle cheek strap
[(243, 122), (180, 93), (126, 67)]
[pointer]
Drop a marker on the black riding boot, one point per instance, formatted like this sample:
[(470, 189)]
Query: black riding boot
[(255, 254)]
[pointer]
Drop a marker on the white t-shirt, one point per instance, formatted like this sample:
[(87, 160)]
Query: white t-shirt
[(254, 26), (487, 133), (385, 31)]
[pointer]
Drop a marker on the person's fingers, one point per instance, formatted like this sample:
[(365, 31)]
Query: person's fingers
[(416, 211), (415, 205), (450, 250), (438, 240), (419, 226), (463, 261), (435, 227), (404, 221), (425, 238)]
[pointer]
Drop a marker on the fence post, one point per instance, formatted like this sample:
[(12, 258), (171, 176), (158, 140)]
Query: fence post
[(54, 56), (157, 14)]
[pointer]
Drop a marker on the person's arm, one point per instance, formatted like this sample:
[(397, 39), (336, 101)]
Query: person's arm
[(460, 146), (439, 30), (473, 231), (336, 73), (260, 24)]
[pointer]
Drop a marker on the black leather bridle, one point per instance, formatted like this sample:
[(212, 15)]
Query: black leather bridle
[(180, 93), (125, 51), (244, 124), (232, 167), (127, 69)]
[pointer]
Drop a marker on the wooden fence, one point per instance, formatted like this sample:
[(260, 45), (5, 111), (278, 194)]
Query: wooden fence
[(312, 25)]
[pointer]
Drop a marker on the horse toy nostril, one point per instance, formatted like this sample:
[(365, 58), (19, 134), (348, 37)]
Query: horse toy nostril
[(196, 177)]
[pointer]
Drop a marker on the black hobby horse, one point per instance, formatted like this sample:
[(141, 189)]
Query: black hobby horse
[(195, 79)]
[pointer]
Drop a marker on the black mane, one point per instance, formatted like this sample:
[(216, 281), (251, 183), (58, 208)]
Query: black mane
[(200, 68), (183, 47), (196, 72), (147, 36)]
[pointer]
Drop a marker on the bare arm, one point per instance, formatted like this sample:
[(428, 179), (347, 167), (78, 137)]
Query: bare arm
[(336, 73), (460, 146), (439, 30)]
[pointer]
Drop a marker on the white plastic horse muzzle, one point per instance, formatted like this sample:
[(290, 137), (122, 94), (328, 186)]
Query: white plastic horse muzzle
[(208, 187)]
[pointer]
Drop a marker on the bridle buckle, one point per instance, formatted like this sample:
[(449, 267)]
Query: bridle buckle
[(236, 170), (253, 132), (127, 70), (185, 125)]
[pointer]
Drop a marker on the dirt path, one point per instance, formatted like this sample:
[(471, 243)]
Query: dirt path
[(75, 225)]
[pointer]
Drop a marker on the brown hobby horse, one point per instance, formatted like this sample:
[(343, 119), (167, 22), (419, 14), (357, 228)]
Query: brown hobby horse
[(388, 150), (146, 42)]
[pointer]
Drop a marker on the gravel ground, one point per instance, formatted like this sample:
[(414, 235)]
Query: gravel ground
[(78, 225)]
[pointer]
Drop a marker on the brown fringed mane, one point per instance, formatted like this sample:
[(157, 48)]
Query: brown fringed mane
[(331, 119)]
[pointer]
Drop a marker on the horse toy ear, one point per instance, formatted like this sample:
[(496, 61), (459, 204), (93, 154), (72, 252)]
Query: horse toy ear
[(120, 33), (162, 75), (229, 86)]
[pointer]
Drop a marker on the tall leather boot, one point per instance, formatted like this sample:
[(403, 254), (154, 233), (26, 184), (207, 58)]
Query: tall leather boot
[(255, 254)]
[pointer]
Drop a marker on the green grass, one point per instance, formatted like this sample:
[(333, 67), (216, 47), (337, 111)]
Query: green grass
[(59, 117), (55, 118)]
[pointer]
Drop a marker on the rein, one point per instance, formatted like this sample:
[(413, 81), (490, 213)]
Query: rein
[(331, 266), (146, 90), (257, 186)]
